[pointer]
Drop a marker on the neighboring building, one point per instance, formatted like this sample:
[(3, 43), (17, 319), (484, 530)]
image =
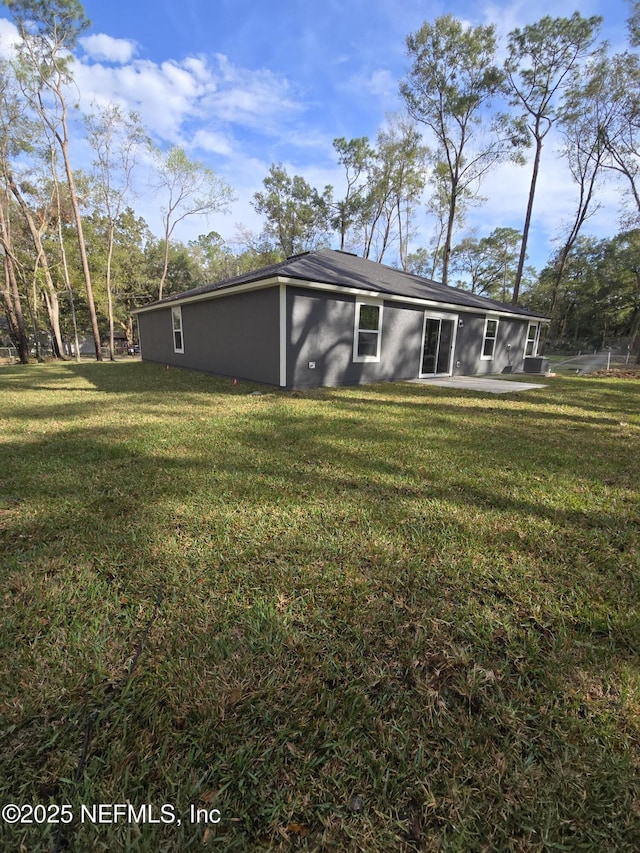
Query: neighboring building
[(331, 318), (120, 343)]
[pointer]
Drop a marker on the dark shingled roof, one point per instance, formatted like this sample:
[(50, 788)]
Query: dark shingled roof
[(343, 269)]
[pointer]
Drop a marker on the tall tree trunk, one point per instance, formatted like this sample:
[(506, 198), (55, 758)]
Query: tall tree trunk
[(454, 171), (33, 313), (165, 264), (11, 295), (127, 328), (109, 296), (385, 239), (53, 310), (67, 284), (527, 219), (41, 260), (436, 248), (83, 253), (368, 240), (446, 255), (403, 234), (586, 196), (13, 305), (63, 255), (624, 169), (63, 141)]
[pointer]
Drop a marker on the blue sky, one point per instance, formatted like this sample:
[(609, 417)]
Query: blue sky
[(244, 83)]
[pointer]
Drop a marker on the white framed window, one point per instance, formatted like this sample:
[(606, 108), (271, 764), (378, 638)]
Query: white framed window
[(367, 332), (176, 327), (533, 335), (489, 338)]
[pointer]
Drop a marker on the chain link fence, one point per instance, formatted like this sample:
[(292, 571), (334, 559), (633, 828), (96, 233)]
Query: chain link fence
[(585, 363), (8, 354)]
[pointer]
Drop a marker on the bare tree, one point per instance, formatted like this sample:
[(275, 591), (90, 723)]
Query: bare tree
[(539, 64), (17, 132), (63, 253), (190, 189), (356, 156), (610, 97), (451, 84), (403, 156), (49, 30), (10, 292), (116, 138), (581, 121)]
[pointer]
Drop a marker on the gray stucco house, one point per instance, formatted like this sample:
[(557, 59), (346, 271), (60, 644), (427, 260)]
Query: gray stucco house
[(331, 318)]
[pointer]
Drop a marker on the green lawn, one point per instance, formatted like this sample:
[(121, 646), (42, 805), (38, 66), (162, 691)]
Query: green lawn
[(383, 618)]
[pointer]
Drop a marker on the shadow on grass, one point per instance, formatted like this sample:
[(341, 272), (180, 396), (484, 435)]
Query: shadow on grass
[(131, 377), (360, 602)]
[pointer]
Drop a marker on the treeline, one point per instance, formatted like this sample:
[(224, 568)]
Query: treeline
[(595, 303), (72, 247), (77, 259)]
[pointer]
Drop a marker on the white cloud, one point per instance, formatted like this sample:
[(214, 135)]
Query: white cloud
[(102, 47), (171, 94), (252, 97), (164, 95), (221, 113), (182, 81), (198, 67), (506, 191), (8, 38), (382, 83), (216, 143)]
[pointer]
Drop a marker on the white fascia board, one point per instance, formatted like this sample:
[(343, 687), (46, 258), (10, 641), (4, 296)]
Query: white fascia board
[(351, 291)]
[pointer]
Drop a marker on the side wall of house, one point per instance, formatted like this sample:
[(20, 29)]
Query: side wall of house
[(320, 331), (508, 350), (236, 335)]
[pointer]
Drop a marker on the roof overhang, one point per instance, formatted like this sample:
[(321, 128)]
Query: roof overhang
[(277, 280)]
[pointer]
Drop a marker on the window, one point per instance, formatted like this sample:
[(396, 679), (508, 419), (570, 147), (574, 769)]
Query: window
[(176, 323), (489, 340), (366, 342), (531, 347)]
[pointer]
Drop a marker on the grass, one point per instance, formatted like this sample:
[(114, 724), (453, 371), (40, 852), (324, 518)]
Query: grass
[(383, 618)]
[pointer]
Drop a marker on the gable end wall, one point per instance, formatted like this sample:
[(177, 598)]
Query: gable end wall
[(235, 335)]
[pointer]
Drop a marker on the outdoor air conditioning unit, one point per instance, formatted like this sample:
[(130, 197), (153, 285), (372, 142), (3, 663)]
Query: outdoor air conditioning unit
[(536, 364)]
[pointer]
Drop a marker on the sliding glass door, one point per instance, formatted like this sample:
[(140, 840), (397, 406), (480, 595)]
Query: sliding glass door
[(437, 345)]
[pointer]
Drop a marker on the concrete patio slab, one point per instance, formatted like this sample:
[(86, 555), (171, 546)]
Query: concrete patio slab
[(479, 383)]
